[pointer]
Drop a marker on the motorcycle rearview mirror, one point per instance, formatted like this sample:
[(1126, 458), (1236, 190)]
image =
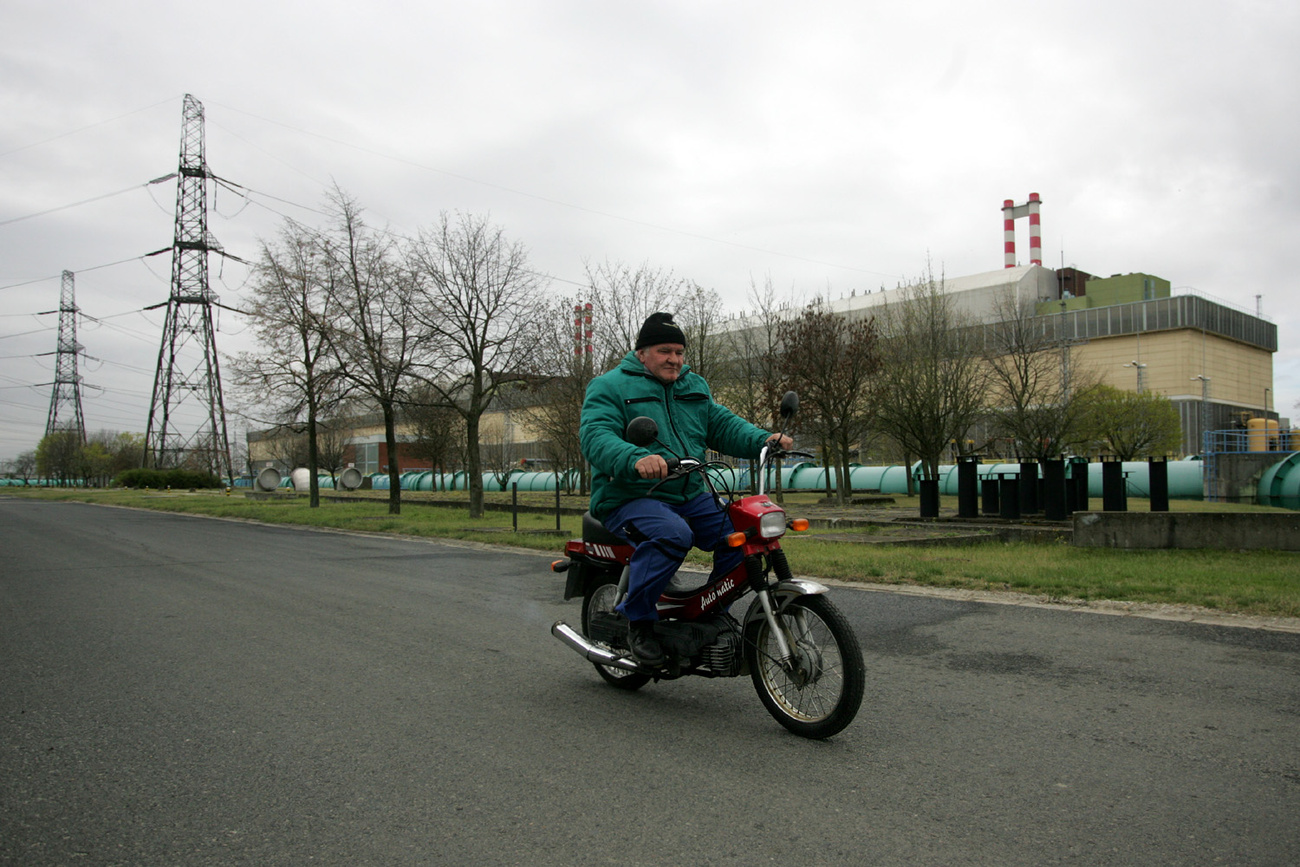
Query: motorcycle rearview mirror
[(642, 431), (789, 404)]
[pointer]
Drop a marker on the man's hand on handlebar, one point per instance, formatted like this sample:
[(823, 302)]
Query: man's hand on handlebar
[(780, 441), (652, 467)]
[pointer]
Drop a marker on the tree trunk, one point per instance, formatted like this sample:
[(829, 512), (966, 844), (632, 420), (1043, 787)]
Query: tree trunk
[(828, 461), (473, 467), (843, 472), (313, 456), (394, 474)]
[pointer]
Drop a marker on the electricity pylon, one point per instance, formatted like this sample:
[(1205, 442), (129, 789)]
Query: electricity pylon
[(65, 401), (187, 416)]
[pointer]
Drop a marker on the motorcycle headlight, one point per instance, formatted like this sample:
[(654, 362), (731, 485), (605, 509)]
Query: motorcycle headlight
[(772, 525)]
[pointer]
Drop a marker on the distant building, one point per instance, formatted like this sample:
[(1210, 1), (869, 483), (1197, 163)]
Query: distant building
[(1213, 361)]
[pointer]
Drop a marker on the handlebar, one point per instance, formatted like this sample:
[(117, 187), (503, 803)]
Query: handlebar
[(677, 468), (681, 467)]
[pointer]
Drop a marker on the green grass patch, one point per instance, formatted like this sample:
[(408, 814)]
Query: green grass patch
[(1248, 582)]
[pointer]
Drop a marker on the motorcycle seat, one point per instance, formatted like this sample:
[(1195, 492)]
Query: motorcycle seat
[(594, 531)]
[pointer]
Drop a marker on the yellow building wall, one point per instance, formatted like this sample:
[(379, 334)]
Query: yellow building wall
[(1238, 373)]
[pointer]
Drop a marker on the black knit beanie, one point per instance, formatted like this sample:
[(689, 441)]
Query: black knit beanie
[(659, 328)]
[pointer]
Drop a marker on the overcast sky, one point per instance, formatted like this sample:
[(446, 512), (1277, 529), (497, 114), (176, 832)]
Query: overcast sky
[(830, 147)]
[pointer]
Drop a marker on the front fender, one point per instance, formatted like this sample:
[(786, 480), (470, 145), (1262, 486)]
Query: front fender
[(783, 594)]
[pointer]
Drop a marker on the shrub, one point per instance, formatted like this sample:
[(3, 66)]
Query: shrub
[(176, 478)]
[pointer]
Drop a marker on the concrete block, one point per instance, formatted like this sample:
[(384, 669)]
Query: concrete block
[(1226, 530)]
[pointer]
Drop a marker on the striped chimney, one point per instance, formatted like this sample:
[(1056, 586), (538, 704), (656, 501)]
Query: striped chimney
[(1035, 231), (1012, 212), (1009, 232), (586, 318)]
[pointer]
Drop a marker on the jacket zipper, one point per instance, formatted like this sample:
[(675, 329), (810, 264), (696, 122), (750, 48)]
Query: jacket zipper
[(681, 442)]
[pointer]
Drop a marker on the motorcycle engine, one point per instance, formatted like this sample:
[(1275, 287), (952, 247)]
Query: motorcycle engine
[(723, 656)]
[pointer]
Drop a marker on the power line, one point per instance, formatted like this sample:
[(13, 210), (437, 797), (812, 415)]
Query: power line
[(553, 201), (25, 333), (163, 179), (83, 128), (91, 268)]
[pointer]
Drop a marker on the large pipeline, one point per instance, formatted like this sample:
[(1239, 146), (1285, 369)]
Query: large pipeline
[(1184, 479)]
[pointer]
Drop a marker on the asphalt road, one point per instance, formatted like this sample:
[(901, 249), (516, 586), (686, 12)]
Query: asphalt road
[(178, 690)]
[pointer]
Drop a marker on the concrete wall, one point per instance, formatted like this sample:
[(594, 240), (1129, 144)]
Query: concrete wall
[(1227, 530), (1238, 476)]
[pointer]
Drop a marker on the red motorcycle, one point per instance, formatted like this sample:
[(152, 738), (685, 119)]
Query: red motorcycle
[(796, 646)]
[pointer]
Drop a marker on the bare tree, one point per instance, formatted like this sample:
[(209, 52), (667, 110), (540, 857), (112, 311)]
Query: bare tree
[(623, 298), (291, 309), (831, 360), (332, 443), (749, 377), (479, 305), (24, 466), (437, 431), (1034, 381), (565, 369), (699, 312), (375, 339), (286, 444), (932, 381)]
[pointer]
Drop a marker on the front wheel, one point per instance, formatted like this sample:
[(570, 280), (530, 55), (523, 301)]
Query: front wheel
[(600, 600), (817, 692)]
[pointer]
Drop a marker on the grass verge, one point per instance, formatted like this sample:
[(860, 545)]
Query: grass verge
[(1262, 583)]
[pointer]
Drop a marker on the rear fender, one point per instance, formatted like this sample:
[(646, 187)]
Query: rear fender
[(583, 574), (574, 576)]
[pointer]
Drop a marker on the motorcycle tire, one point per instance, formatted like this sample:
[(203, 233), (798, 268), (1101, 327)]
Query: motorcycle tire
[(603, 597), (821, 692)]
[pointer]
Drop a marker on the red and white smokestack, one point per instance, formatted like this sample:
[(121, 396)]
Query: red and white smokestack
[(577, 329), (1035, 231), (1012, 212), (587, 320), (1009, 232)]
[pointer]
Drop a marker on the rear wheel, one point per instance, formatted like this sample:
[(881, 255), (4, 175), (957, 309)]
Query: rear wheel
[(601, 600), (817, 692)]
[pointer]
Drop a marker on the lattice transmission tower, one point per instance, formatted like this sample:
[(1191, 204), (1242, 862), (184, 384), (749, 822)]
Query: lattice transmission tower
[(187, 416), (65, 401)]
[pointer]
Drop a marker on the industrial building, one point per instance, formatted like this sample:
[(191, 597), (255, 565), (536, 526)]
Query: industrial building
[(1214, 361)]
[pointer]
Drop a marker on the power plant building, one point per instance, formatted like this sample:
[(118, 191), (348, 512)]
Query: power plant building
[(1215, 362)]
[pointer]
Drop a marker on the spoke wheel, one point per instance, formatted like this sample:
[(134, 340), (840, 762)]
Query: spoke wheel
[(602, 598), (818, 692)]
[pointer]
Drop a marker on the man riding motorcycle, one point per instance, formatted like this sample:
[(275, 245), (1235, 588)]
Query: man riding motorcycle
[(653, 380)]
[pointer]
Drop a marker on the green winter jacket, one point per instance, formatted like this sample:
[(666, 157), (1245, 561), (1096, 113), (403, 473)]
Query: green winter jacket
[(690, 423)]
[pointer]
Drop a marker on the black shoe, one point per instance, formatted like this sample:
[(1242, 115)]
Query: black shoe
[(641, 639)]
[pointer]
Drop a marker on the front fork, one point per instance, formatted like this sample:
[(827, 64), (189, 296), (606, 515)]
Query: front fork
[(758, 583)]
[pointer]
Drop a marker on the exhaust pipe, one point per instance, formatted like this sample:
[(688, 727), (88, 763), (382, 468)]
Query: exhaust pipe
[(598, 655)]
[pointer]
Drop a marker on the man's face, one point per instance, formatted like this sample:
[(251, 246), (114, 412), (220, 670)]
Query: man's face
[(663, 360)]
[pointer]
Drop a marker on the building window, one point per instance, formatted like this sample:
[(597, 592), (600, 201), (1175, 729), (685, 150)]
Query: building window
[(368, 457)]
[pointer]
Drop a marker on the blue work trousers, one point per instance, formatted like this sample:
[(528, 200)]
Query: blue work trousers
[(663, 533)]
